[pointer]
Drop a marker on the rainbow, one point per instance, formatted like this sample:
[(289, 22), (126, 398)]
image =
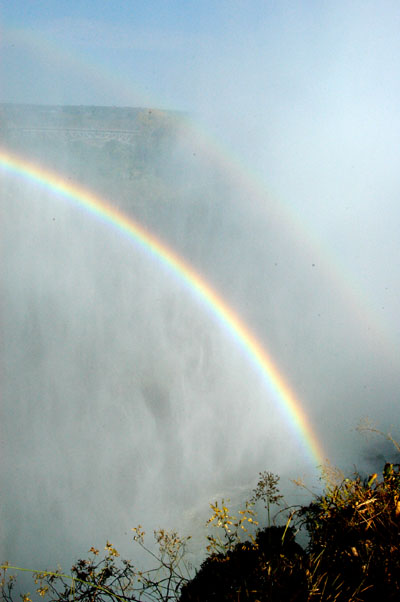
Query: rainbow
[(261, 360), (346, 283)]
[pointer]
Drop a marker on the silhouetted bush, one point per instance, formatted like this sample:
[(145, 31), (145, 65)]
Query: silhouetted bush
[(354, 533), (271, 568), (352, 554)]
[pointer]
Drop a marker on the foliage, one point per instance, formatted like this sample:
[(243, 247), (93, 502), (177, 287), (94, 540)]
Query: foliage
[(352, 554), (354, 533), (267, 491), (107, 579), (268, 569), (231, 526)]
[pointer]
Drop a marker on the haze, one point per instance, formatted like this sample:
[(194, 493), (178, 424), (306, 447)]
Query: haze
[(124, 400)]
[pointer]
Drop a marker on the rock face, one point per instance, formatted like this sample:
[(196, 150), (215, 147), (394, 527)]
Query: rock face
[(36, 119), (101, 146)]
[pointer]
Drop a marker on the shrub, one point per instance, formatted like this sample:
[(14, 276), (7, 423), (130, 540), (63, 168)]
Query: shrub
[(352, 555), (354, 530), (271, 568)]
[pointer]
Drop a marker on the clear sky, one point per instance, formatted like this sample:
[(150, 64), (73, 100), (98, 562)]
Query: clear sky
[(183, 54)]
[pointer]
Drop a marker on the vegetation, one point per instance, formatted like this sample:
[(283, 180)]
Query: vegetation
[(106, 578), (352, 553)]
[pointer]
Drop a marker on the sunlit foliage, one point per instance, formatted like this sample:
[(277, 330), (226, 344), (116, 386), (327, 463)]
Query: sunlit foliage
[(352, 554)]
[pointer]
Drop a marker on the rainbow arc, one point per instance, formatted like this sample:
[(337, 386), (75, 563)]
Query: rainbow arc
[(256, 353)]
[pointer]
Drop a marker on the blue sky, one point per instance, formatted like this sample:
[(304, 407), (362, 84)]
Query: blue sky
[(187, 54), (306, 93), (281, 75), (176, 54)]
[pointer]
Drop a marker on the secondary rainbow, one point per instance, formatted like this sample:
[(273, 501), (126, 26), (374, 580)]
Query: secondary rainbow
[(343, 280), (289, 405)]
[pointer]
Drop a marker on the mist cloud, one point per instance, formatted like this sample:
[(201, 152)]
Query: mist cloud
[(125, 401)]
